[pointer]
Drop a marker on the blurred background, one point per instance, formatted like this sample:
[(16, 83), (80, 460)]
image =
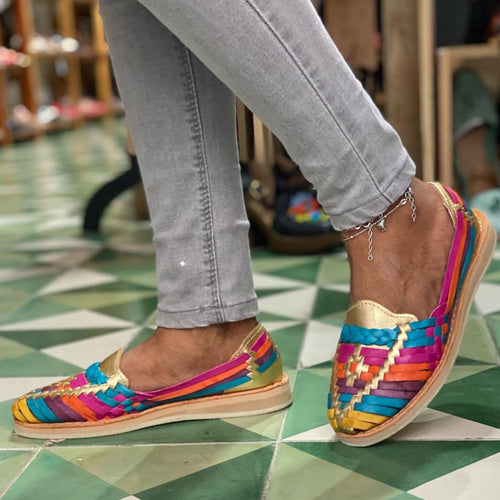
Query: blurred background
[(431, 66)]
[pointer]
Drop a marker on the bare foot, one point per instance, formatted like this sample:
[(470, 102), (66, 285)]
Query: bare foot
[(409, 259), (171, 356)]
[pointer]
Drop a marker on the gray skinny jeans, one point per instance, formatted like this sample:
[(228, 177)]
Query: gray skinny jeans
[(179, 64)]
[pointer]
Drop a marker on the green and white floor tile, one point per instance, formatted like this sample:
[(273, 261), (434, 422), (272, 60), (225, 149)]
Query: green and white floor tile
[(67, 300)]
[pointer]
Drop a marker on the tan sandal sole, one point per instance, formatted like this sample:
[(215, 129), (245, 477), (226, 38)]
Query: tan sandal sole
[(486, 242), (238, 404)]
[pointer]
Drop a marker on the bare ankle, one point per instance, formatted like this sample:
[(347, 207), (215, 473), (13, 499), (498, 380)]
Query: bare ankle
[(234, 329), (409, 258), (172, 355)]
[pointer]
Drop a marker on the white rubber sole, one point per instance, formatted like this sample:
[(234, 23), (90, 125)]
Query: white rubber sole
[(238, 404), (485, 246)]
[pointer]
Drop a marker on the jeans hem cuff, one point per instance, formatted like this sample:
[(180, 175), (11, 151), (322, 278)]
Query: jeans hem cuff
[(376, 206), (205, 317)]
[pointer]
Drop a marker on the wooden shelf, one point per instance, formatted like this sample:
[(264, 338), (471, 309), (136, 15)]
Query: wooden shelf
[(5, 135), (13, 70), (85, 2), (95, 53)]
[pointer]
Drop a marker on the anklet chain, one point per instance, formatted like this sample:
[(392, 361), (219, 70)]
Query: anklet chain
[(379, 221)]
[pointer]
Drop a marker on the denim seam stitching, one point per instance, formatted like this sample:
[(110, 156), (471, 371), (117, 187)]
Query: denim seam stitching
[(202, 170), (304, 73), (204, 309)]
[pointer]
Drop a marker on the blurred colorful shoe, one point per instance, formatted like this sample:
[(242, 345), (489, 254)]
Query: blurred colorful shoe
[(48, 115), (92, 108), (388, 366), (10, 57), (99, 401), (279, 229), (23, 120), (299, 213)]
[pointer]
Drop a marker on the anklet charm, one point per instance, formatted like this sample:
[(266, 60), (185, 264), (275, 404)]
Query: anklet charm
[(379, 221)]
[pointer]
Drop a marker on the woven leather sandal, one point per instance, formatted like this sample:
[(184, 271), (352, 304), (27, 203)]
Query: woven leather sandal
[(388, 366), (99, 402)]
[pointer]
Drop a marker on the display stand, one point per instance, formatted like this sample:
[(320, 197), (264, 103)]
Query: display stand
[(94, 52)]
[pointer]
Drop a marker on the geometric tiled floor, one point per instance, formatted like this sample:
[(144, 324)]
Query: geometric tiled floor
[(68, 300)]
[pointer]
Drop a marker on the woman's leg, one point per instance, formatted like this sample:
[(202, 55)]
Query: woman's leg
[(278, 58), (182, 119)]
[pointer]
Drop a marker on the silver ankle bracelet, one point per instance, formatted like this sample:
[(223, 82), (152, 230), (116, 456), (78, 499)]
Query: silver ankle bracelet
[(379, 221)]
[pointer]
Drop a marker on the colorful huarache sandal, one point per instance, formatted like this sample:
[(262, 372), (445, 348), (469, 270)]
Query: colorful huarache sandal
[(388, 366), (99, 401)]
